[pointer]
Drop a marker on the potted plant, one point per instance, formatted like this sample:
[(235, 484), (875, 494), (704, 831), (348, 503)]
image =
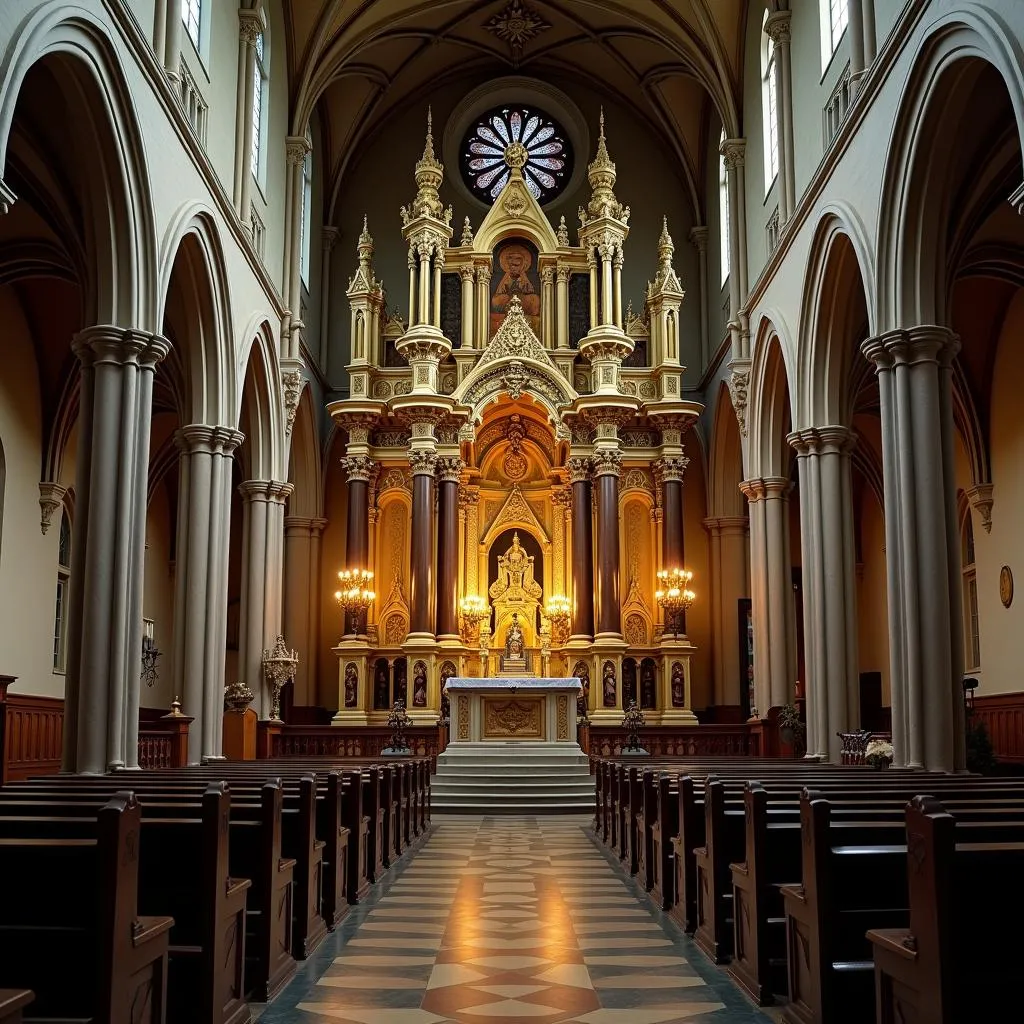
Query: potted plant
[(791, 726), (878, 754)]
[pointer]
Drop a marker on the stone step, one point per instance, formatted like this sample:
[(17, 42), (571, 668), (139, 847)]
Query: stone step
[(524, 778)]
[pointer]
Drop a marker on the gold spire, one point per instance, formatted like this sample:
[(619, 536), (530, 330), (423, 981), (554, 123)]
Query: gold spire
[(665, 244), (428, 159), (365, 238)]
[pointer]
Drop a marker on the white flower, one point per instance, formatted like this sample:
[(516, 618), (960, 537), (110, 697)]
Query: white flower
[(881, 748)]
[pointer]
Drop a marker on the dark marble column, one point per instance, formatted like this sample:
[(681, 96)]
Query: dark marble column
[(671, 470), (357, 538), (421, 582), (449, 470), (582, 550), (607, 464)]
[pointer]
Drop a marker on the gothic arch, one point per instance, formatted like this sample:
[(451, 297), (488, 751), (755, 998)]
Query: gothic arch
[(918, 187), (771, 413), (119, 244), (192, 271), (304, 469), (835, 316), (726, 462), (260, 410)]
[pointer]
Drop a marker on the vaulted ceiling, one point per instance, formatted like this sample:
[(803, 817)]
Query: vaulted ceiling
[(672, 63)]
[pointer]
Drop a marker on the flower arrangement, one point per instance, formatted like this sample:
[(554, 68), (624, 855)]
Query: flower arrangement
[(878, 754)]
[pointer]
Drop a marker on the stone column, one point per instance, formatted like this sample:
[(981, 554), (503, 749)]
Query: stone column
[(582, 551), (617, 261), (830, 623), (200, 599), (562, 303), (466, 275), (359, 469), (449, 470), (105, 612), (594, 287), (547, 277), (262, 563), (607, 466), (606, 251), (483, 303), (302, 599), (413, 285), (167, 40), (435, 297), (328, 238), (296, 148), (421, 582), (922, 548), (699, 238), (771, 592), (777, 27), (250, 27), (729, 552)]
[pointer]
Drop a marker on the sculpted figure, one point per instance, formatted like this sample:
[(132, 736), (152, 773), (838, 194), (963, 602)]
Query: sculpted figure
[(351, 685), (608, 684), (380, 689), (419, 685), (678, 688), (647, 685), (514, 639)]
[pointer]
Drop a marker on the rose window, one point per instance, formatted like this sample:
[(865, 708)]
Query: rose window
[(516, 136)]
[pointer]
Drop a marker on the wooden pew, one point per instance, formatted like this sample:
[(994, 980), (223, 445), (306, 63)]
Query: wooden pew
[(958, 959), (12, 1002), (854, 878), (98, 859)]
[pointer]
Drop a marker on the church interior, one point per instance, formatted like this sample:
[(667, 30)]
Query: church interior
[(508, 510)]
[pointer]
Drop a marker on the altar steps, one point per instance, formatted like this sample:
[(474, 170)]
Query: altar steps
[(512, 778)]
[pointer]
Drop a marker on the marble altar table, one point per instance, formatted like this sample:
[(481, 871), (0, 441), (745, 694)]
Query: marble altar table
[(508, 709)]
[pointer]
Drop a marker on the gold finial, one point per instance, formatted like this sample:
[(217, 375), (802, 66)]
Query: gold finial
[(467, 233), (665, 241), (602, 121)]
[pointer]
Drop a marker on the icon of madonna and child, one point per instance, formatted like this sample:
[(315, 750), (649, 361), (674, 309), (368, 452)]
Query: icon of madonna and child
[(515, 273)]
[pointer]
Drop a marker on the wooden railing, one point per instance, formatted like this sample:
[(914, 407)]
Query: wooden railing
[(341, 740), (164, 743), (677, 741)]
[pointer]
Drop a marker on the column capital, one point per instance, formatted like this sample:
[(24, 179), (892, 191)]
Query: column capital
[(699, 237), (119, 346), (211, 440), (449, 468), (579, 468), (928, 343), (295, 148), (423, 463), (827, 440), (980, 497), (726, 524), (483, 273), (358, 467), (298, 525), (469, 496), (274, 491), (250, 25), (777, 26), (776, 486), (51, 497), (563, 274), (671, 468), (466, 273), (733, 152), (328, 237), (607, 462)]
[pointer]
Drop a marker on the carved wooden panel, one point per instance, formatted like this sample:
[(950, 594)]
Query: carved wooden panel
[(520, 718), (32, 732)]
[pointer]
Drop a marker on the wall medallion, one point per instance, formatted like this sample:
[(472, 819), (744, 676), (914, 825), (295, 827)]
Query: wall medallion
[(1006, 586)]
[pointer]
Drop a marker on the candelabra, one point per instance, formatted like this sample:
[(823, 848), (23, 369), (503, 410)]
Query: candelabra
[(398, 722), (355, 596), (473, 610), (279, 666), (633, 721), (557, 610), (674, 595)]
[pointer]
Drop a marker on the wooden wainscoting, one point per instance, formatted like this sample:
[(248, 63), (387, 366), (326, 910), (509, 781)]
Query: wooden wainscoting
[(1003, 717), (31, 734)]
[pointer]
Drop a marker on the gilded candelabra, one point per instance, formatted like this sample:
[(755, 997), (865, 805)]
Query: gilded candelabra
[(557, 610), (674, 595), (355, 596), (279, 666), (472, 611), (398, 722), (633, 721)]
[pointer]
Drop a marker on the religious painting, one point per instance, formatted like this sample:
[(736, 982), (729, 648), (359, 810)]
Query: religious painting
[(515, 274)]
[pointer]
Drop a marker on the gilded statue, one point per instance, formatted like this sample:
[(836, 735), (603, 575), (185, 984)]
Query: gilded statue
[(514, 645), (515, 575)]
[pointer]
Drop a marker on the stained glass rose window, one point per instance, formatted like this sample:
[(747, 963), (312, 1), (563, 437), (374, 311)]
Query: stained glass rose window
[(519, 135)]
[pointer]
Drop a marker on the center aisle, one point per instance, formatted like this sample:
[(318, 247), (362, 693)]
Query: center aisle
[(510, 920)]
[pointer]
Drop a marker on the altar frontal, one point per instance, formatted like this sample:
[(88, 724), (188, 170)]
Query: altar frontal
[(513, 710)]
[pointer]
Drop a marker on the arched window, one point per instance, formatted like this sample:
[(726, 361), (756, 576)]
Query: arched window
[(307, 210), (769, 108), (972, 633), (192, 16), (260, 83), (60, 614), (723, 207), (833, 15)]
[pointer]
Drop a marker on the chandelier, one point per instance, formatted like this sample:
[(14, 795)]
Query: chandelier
[(473, 610), (674, 595), (557, 610), (355, 595)]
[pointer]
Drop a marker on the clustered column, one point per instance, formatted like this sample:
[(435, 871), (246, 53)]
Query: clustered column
[(201, 584), (421, 583), (302, 576), (582, 550), (914, 369), (774, 613), (830, 610), (449, 471), (263, 504), (607, 466), (101, 709), (357, 539)]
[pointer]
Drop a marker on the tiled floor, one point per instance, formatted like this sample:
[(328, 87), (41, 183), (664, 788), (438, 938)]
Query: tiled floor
[(514, 920)]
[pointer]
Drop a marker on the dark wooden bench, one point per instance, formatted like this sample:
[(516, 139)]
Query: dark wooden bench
[(12, 1002), (959, 957), (70, 927)]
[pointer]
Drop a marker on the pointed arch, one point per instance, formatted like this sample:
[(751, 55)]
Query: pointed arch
[(305, 471), (726, 462), (771, 412), (260, 409)]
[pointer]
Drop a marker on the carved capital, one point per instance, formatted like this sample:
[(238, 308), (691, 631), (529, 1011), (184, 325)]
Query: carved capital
[(734, 153), (51, 497), (358, 467), (777, 27), (579, 469), (466, 273), (980, 497), (699, 238), (739, 379), (672, 468), (295, 148), (563, 274), (250, 26), (607, 462), (423, 463), (328, 237), (292, 383), (449, 468)]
